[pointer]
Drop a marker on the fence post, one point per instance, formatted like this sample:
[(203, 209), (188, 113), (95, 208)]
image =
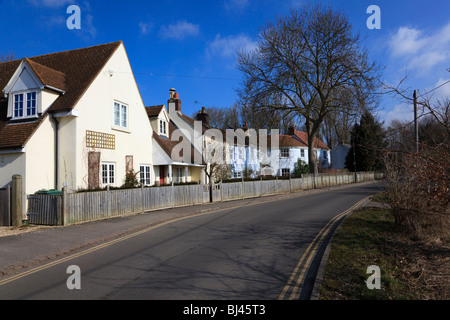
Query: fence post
[(261, 186), (173, 195), (142, 198), (17, 201), (243, 186), (108, 199), (63, 206)]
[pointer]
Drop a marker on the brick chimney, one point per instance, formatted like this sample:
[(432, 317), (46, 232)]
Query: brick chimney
[(203, 116), (291, 130), (174, 102)]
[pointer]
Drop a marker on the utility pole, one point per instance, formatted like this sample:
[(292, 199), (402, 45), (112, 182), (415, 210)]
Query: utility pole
[(354, 159), (416, 124)]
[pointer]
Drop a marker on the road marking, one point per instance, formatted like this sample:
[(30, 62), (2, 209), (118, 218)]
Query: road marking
[(96, 248), (310, 253), (132, 235)]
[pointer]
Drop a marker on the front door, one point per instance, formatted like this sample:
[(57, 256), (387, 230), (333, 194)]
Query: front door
[(162, 175)]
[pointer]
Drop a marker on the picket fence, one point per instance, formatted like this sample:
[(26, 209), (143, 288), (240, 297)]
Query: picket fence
[(89, 206)]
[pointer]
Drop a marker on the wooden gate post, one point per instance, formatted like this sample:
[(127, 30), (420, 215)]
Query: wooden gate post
[(17, 201)]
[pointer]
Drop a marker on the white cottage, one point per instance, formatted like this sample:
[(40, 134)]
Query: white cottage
[(168, 169), (72, 119)]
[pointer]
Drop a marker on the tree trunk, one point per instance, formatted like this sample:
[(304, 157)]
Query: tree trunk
[(311, 155)]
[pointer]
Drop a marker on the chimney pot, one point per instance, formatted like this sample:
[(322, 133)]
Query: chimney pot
[(172, 93), (291, 130)]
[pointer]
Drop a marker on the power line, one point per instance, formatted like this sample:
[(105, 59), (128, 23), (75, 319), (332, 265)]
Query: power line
[(440, 86), (181, 76)]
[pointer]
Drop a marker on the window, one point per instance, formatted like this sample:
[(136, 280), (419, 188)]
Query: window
[(179, 175), (162, 127), (18, 106), (120, 115), (108, 173), (25, 105), (284, 152), (302, 153), (325, 157), (31, 104), (241, 153), (145, 175), (285, 172), (236, 174)]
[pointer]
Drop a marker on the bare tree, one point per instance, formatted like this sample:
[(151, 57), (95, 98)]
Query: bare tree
[(308, 63), (7, 57), (223, 118), (418, 174)]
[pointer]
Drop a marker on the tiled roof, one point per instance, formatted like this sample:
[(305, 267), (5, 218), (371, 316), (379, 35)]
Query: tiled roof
[(48, 76), (71, 71), (303, 136), (290, 141), (154, 111)]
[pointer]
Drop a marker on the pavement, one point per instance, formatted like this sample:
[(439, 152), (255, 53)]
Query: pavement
[(21, 251)]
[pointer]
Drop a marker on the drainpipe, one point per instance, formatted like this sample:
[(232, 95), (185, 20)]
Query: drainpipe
[(56, 151)]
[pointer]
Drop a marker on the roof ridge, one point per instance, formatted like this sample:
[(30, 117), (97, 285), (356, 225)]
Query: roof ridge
[(63, 51), (79, 49), (31, 62)]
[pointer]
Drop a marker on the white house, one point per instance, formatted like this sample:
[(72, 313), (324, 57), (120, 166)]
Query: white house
[(72, 119), (168, 169), (280, 160)]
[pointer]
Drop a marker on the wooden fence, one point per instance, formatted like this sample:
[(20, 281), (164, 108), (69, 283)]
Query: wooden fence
[(89, 206), (44, 210), (5, 207)]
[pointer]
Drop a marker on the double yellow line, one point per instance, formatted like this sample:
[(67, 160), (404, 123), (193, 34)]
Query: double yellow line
[(297, 277)]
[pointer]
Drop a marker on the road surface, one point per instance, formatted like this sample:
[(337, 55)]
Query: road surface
[(264, 251)]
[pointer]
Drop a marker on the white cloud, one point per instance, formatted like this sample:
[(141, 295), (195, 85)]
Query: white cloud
[(406, 41), (399, 112), (422, 51), (179, 31), (227, 47)]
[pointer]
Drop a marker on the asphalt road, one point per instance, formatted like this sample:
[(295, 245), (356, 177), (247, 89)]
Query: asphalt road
[(255, 252)]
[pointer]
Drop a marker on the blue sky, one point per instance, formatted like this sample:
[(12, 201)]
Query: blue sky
[(190, 45)]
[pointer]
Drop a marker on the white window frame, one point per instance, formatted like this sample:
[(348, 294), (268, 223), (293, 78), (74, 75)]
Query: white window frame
[(145, 174), (302, 153), (285, 172), (162, 127), (119, 120), (179, 175), (24, 105), (110, 173), (237, 174), (284, 152)]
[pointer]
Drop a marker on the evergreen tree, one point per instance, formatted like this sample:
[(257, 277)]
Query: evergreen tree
[(368, 139)]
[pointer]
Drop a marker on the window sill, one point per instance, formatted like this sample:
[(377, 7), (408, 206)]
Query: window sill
[(24, 119), (124, 130)]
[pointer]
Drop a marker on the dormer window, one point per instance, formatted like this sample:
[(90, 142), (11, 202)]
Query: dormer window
[(163, 127), (25, 105)]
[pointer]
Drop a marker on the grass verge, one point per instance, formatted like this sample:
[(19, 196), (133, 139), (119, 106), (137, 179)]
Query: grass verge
[(410, 270)]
